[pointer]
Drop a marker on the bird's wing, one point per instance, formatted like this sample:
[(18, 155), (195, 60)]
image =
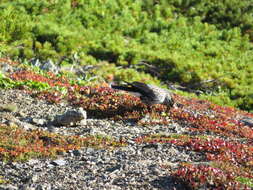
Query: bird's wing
[(144, 89)]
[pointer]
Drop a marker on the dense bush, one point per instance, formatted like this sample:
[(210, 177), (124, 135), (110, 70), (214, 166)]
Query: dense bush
[(223, 13), (184, 49)]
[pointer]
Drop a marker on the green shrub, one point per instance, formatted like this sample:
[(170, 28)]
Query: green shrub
[(225, 14), (186, 41)]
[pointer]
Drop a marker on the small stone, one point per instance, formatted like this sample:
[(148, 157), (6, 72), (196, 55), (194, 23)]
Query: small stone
[(6, 68), (8, 187), (59, 162), (150, 146), (89, 150), (76, 152), (36, 62), (10, 123), (247, 121), (44, 187), (34, 178), (50, 66), (38, 121), (83, 122), (32, 161), (9, 107), (27, 126), (51, 129), (114, 168), (21, 114), (71, 117)]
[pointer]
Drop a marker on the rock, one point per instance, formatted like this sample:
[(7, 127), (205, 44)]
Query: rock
[(44, 187), (26, 126), (9, 107), (247, 121), (59, 162), (114, 168), (47, 65), (6, 68), (51, 128), (8, 187), (83, 122), (37, 121), (34, 178), (150, 146), (12, 121), (71, 117), (33, 161), (36, 62), (21, 114), (76, 152), (50, 66)]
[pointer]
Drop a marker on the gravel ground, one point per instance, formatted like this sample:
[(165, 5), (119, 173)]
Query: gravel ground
[(136, 166)]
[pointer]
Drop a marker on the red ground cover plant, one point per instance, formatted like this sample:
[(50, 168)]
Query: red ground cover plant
[(207, 177), (204, 116), (232, 159), (52, 96), (8, 61), (51, 79)]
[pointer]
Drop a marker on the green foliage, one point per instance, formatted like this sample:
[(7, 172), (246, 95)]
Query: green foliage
[(6, 82), (106, 70), (2, 180), (36, 85), (187, 41), (15, 24), (246, 181), (224, 14)]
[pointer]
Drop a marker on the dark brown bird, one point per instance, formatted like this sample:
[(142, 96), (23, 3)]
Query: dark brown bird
[(149, 94)]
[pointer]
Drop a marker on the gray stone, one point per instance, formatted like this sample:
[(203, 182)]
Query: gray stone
[(6, 68), (8, 187), (59, 162), (36, 62), (39, 121), (247, 121), (71, 117), (50, 66), (77, 152), (34, 178)]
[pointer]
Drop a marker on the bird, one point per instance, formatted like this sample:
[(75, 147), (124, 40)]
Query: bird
[(148, 93)]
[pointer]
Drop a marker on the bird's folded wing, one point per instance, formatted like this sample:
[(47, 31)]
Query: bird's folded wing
[(144, 89)]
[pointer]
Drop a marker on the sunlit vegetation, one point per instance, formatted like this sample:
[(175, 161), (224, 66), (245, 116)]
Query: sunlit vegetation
[(186, 41)]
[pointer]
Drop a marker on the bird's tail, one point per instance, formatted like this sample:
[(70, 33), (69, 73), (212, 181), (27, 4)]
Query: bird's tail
[(122, 87)]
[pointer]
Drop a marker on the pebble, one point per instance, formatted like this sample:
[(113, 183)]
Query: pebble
[(71, 117), (247, 121), (59, 162)]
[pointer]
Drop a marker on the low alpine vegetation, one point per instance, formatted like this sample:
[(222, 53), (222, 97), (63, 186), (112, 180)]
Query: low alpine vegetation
[(20, 145)]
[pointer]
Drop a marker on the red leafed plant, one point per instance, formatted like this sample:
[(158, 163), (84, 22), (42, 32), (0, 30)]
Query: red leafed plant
[(207, 177)]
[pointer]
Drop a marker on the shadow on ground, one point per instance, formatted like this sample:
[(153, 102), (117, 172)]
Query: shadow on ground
[(170, 183)]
